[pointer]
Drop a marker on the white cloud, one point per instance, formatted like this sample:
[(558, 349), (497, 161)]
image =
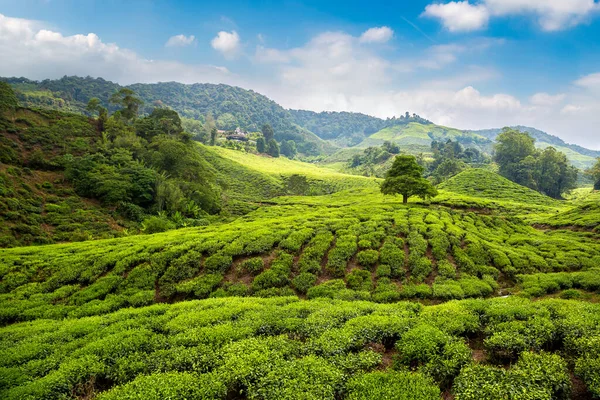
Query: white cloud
[(267, 55), (591, 81), (227, 43), (180, 41), (39, 53), (376, 35), (459, 16), (546, 100), (551, 15)]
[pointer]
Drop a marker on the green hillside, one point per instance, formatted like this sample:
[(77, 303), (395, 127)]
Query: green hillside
[(416, 137), (486, 184), (230, 106)]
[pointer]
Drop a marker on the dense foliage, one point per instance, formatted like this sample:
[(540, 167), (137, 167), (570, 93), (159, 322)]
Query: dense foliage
[(547, 171)]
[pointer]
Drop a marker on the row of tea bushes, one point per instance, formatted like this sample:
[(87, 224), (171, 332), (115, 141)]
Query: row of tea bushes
[(455, 254), (285, 348)]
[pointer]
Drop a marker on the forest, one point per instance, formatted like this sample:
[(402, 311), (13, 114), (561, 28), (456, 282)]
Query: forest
[(154, 247)]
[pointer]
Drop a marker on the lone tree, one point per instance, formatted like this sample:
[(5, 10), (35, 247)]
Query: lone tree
[(406, 178)]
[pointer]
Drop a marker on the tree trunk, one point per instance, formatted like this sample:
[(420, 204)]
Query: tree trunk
[(404, 198)]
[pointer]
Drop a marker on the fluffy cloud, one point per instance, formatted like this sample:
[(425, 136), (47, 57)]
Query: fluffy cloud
[(39, 53), (376, 35), (552, 15), (546, 100), (180, 41), (227, 43), (459, 16), (591, 81)]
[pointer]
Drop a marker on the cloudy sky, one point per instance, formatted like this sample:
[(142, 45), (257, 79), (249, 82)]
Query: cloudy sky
[(469, 64)]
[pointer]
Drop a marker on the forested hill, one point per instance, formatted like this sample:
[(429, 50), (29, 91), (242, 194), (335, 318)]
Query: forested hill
[(230, 106)]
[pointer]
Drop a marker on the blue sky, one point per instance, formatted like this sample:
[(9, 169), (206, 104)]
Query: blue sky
[(468, 64)]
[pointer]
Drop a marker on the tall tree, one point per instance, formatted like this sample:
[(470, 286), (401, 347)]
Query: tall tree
[(260, 145), (512, 149), (594, 173), (406, 178), (273, 148), (95, 106), (553, 174), (288, 148), (213, 136), (130, 104), (267, 132)]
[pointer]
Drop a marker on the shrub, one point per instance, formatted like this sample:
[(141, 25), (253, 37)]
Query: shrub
[(156, 224), (571, 294), (253, 265), (392, 385), (304, 281), (367, 258), (446, 269), (420, 268), (393, 256), (433, 351), (326, 289), (305, 378), (169, 385), (218, 263), (383, 271), (359, 279)]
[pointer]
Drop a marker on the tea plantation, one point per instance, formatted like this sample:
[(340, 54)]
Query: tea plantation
[(478, 294)]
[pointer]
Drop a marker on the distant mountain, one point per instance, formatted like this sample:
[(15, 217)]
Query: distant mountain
[(347, 129), (231, 106)]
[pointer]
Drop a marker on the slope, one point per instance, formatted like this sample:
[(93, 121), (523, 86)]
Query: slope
[(476, 182), (36, 204), (319, 181)]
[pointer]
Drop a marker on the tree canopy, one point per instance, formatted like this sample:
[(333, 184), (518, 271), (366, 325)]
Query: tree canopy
[(547, 171), (406, 178)]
